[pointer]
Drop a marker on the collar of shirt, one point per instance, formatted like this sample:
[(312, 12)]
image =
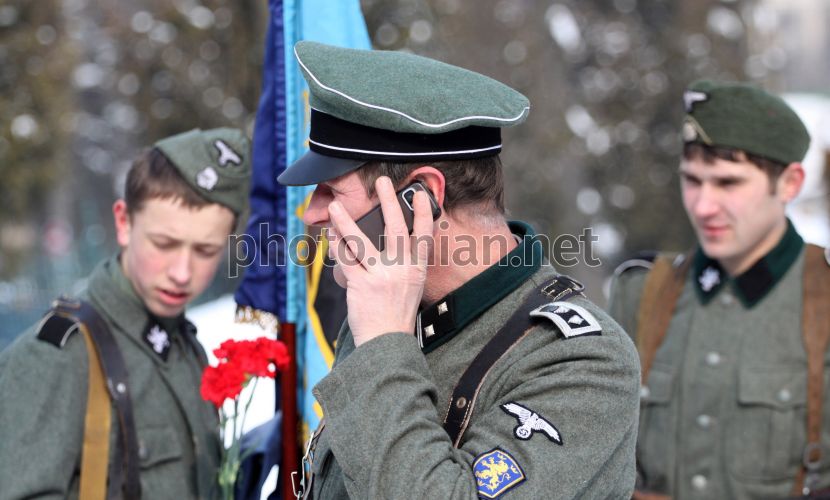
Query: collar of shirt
[(109, 288), (441, 321), (754, 284)]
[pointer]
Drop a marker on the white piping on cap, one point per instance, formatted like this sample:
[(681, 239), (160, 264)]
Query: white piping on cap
[(390, 153), (401, 113)]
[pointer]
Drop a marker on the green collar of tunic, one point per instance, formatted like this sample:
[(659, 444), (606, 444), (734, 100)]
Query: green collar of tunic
[(113, 292), (441, 321), (754, 284)]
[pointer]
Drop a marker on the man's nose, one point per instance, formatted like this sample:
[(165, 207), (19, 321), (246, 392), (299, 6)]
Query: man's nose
[(317, 212), (180, 269), (707, 202)]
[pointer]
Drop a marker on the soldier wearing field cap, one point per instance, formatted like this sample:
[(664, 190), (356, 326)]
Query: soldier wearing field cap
[(101, 397), (467, 367), (733, 335)]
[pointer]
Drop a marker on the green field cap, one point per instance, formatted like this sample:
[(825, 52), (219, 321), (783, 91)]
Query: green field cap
[(745, 117), (369, 105), (216, 163)]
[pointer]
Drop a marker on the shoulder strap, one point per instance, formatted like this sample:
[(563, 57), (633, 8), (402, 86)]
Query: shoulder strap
[(815, 326), (662, 289), (464, 395), (107, 381)]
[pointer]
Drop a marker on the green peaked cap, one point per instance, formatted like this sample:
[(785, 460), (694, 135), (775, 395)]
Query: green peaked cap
[(745, 117), (404, 92), (393, 106), (216, 163)]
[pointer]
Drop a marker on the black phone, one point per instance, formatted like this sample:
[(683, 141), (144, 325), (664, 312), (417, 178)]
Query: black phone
[(372, 223)]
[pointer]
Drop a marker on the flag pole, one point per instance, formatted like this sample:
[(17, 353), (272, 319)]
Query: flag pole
[(288, 403)]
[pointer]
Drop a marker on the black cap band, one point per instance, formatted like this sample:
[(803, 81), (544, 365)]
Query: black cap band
[(332, 136)]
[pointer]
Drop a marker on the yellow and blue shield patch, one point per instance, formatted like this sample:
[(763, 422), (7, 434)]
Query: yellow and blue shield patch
[(496, 472)]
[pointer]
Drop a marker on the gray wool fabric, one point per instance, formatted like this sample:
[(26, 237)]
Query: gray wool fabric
[(723, 409), (384, 403), (745, 117), (216, 163), (44, 390), (404, 92)]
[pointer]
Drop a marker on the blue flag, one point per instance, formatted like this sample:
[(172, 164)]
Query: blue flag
[(277, 284)]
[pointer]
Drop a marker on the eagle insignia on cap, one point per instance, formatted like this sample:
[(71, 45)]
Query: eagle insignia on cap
[(530, 422), (207, 178), (571, 319), (227, 154), (690, 97)]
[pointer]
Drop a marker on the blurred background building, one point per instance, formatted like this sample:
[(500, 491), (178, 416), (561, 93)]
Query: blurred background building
[(84, 85)]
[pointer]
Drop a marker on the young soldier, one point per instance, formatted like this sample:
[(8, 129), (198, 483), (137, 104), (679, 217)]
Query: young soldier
[(182, 200), (467, 367), (732, 337)]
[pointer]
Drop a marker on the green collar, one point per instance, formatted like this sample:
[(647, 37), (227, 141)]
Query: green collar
[(754, 284), (110, 289), (445, 318)]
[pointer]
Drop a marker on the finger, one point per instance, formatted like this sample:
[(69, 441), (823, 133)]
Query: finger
[(422, 227), (397, 234), (347, 231), (347, 261)]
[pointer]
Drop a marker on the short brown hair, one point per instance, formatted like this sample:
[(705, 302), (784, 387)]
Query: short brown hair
[(152, 176), (468, 182), (697, 150)]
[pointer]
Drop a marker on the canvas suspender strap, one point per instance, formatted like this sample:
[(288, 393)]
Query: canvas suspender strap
[(106, 360), (662, 289), (95, 451), (815, 326), (466, 391)]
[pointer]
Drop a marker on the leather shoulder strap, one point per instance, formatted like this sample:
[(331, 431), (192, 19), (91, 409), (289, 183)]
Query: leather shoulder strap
[(815, 326), (464, 395), (663, 286), (107, 381)]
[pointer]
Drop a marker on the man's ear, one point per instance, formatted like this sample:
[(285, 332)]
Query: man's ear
[(433, 179), (790, 181), (123, 224)]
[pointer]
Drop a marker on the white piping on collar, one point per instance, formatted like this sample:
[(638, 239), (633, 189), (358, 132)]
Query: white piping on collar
[(401, 113), (390, 153)]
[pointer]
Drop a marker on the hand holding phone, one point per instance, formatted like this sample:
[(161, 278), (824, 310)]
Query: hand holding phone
[(373, 225)]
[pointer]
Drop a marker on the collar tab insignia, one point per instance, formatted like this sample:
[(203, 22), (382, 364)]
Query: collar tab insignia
[(158, 340), (571, 319), (709, 279), (530, 422), (496, 472)]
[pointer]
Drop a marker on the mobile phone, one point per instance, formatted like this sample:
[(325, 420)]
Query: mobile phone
[(372, 223)]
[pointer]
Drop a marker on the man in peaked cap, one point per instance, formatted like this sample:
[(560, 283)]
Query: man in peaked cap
[(182, 199), (733, 335), (467, 366)]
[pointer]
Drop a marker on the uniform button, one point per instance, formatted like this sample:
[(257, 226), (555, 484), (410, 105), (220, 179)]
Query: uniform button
[(704, 421), (142, 451), (699, 482), (713, 359), (644, 392), (727, 299), (784, 395)]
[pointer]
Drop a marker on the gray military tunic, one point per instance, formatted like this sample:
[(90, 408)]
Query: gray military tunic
[(43, 390), (385, 401), (724, 407)]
